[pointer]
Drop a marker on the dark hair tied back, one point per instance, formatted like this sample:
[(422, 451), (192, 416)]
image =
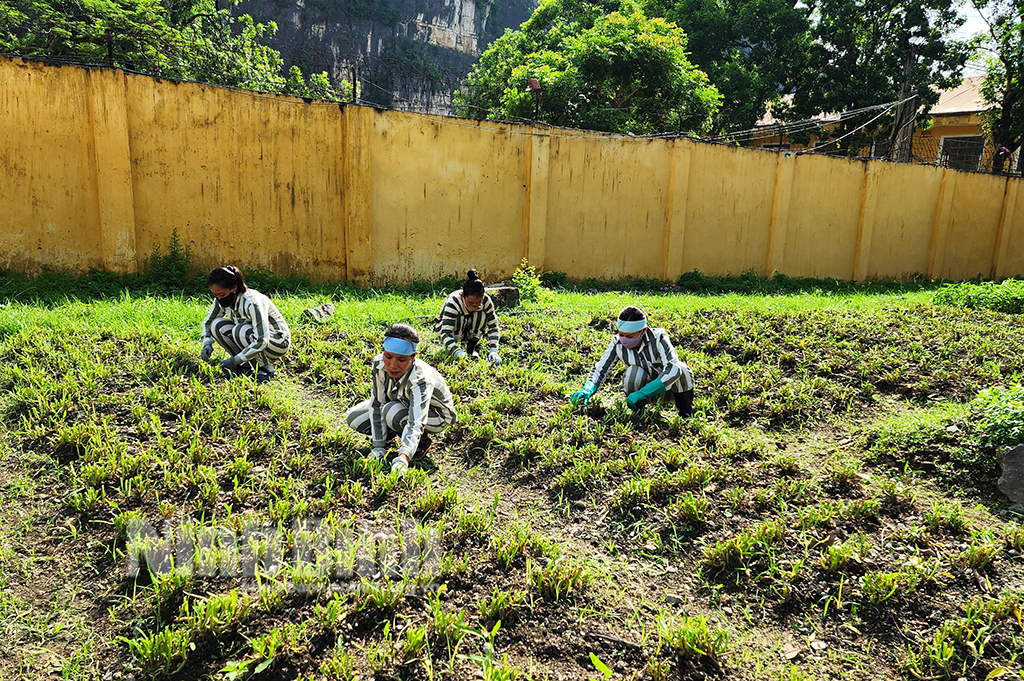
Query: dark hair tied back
[(632, 314), (403, 331), (473, 285), (228, 276)]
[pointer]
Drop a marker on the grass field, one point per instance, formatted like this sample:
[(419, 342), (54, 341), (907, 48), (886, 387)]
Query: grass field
[(830, 511)]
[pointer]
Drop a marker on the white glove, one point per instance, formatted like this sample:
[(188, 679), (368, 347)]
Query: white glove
[(207, 352), (378, 453), (399, 465), (459, 354), (494, 358)]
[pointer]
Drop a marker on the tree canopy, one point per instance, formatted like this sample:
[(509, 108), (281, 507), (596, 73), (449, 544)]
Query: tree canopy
[(752, 50), (1003, 85), (187, 39), (601, 66)]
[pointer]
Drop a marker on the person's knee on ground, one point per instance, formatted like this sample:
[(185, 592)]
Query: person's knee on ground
[(633, 379), (358, 418), (396, 415), (223, 332)]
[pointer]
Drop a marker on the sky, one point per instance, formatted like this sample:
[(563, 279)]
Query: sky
[(973, 25)]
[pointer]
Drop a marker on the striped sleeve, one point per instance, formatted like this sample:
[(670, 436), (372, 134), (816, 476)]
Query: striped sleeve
[(604, 365), (666, 355), (491, 324), (449, 314), (258, 309), (215, 311), (419, 408), (378, 433)]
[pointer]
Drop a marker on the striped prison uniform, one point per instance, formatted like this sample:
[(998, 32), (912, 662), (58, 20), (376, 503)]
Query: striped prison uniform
[(418, 402), (653, 358), (253, 329), (457, 324)]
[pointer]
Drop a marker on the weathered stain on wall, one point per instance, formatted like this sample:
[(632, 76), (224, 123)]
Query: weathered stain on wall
[(98, 167)]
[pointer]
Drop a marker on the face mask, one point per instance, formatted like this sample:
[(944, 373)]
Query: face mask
[(630, 343), (228, 300)]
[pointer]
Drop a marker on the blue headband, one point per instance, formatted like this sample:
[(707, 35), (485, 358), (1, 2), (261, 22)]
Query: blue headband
[(630, 327), (399, 346)]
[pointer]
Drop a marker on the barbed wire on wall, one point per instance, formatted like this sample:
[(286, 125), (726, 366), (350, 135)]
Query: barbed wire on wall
[(969, 153)]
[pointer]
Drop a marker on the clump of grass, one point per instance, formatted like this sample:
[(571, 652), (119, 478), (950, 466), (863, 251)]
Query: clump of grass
[(838, 557), (690, 638), (688, 511), (500, 605), (942, 439), (521, 542), (743, 548), (559, 579), (945, 517), (1006, 296), (878, 586), (1013, 535), (632, 497), (963, 644), (161, 651)]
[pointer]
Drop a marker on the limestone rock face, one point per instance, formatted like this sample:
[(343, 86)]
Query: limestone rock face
[(1011, 483), (409, 55)]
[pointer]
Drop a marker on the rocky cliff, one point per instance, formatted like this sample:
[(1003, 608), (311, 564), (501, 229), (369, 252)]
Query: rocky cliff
[(406, 54)]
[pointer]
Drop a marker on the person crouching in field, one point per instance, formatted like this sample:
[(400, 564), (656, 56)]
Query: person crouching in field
[(407, 396), (466, 317), (653, 368), (244, 322)]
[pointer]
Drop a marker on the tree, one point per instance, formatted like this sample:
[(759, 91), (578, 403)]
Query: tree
[(318, 87), (1003, 85), (599, 68), (187, 39), (752, 50), (868, 52)]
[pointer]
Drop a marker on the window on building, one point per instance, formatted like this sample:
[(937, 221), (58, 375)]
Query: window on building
[(962, 153)]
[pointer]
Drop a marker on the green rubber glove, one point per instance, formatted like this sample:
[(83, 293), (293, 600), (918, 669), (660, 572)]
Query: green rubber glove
[(636, 400), (583, 395)]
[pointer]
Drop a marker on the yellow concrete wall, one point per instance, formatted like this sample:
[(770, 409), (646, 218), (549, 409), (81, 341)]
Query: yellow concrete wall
[(98, 167), (1011, 260), (245, 179), (49, 206), (606, 215), (728, 216), (973, 226), (444, 198), (821, 225), (903, 221)]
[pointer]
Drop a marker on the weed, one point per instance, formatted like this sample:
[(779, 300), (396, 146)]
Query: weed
[(159, 651), (558, 579), (500, 604), (690, 638), (945, 517), (526, 280)]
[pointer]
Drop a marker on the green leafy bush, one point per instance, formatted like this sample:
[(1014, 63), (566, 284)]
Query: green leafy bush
[(943, 440), (555, 280), (1001, 412), (171, 270), (1006, 296), (526, 280)]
